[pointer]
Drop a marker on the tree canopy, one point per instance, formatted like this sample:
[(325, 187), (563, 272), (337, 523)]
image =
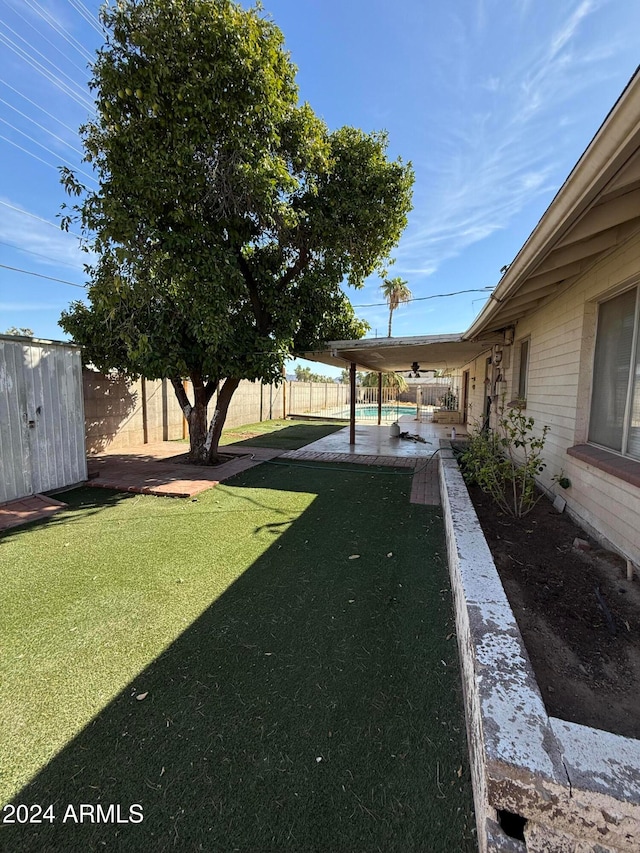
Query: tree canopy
[(305, 374), (227, 214), (389, 380)]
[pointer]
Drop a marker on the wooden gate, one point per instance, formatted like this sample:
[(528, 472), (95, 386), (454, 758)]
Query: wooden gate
[(42, 444)]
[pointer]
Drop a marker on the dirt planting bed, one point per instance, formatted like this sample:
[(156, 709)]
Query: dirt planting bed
[(578, 614)]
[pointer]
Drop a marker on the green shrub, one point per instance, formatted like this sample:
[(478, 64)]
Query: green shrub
[(504, 462)]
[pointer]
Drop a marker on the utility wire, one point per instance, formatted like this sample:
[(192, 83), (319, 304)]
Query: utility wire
[(48, 150), (26, 151), (39, 53), (82, 10), (39, 275), (422, 298), (42, 127), (33, 215), (38, 254), (53, 44), (47, 74), (42, 109), (51, 21)]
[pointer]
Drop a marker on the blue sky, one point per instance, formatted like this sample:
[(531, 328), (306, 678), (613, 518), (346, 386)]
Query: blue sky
[(492, 101)]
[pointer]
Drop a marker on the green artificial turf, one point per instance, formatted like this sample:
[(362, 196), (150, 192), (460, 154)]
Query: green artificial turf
[(280, 434), (290, 637)]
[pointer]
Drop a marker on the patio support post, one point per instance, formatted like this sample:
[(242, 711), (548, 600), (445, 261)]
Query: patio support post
[(379, 398), (352, 403)]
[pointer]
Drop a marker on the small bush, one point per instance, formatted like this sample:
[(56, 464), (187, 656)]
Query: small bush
[(504, 462)]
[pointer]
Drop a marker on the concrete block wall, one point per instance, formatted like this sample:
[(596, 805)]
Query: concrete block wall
[(117, 417), (575, 788), (120, 413)]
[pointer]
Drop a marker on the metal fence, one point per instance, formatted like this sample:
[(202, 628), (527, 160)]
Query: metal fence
[(332, 400)]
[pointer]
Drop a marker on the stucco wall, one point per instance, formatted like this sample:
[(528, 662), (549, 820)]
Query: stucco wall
[(562, 336)]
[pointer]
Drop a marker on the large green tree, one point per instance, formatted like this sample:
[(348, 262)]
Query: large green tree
[(227, 214)]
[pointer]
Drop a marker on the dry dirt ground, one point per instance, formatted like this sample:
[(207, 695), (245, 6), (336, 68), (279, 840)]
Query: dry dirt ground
[(577, 612)]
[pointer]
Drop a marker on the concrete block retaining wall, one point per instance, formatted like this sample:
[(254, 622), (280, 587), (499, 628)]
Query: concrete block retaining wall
[(573, 789)]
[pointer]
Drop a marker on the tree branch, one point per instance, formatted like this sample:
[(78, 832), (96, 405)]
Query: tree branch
[(181, 394), (298, 266), (263, 318)]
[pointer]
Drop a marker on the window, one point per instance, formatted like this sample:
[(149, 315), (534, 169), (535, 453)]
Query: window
[(615, 399), (523, 370)]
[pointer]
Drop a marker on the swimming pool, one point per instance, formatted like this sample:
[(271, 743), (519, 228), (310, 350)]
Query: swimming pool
[(390, 412)]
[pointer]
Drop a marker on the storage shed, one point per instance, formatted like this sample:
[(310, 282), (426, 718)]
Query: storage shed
[(42, 443)]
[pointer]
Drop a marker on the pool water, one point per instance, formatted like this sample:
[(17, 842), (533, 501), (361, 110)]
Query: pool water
[(389, 412)]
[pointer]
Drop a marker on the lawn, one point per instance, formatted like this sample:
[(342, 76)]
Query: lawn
[(269, 668), (281, 434)]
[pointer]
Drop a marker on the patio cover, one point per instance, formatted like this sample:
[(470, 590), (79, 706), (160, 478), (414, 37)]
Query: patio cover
[(390, 355)]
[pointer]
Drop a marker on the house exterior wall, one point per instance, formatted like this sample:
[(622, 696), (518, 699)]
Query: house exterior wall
[(562, 339), (477, 390)]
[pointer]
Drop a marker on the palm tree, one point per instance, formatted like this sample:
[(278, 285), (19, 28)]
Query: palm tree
[(395, 291)]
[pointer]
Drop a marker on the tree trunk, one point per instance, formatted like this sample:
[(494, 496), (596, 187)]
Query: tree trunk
[(198, 422), (204, 437), (219, 417), (390, 316)]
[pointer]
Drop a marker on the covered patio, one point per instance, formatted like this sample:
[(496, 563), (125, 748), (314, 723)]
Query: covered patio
[(413, 356)]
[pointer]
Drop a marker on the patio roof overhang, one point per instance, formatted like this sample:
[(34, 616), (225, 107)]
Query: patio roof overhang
[(391, 355), (595, 211)]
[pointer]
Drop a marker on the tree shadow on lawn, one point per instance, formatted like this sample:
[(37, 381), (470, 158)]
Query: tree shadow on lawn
[(287, 438), (315, 706)]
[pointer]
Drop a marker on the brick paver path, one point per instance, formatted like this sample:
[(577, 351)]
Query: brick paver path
[(151, 471), (425, 485), (28, 509)]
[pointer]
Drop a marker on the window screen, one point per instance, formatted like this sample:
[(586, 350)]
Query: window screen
[(524, 369), (614, 397)]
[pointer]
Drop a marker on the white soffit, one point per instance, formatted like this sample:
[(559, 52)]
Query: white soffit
[(385, 355)]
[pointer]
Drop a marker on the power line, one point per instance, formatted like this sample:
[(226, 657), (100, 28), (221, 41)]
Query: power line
[(39, 53), (39, 275), (42, 109), (41, 126), (85, 13), (47, 74), (29, 23), (422, 298), (37, 254), (33, 215), (51, 21), (40, 145), (26, 151)]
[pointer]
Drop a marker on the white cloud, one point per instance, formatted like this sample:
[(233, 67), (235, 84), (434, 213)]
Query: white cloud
[(497, 152), (42, 243)]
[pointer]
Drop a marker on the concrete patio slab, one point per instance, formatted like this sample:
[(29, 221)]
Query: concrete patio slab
[(28, 509)]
